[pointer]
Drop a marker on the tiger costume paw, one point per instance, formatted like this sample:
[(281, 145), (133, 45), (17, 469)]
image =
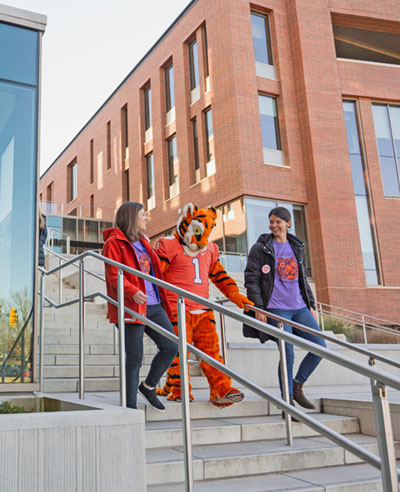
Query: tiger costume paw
[(231, 397)]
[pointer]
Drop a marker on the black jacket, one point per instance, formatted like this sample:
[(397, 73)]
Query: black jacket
[(259, 281)]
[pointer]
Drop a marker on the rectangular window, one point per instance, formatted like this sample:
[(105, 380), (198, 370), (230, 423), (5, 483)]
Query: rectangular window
[(124, 125), (261, 38), (91, 163), (364, 215), (205, 52), (72, 184), (91, 205), (127, 194), (387, 131), (195, 145), (172, 161), (108, 144), (147, 108), (209, 135), (150, 175), (169, 88), (270, 132), (49, 192), (193, 65)]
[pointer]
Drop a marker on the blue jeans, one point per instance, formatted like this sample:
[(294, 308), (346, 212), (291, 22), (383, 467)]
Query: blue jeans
[(167, 351), (310, 361)]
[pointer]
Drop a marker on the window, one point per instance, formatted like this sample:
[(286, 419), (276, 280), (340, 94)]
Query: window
[(91, 163), (49, 192), (271, 138), (387, 131), (147, 108), (206, 69), (261, 38), (172, 161), (362, 44), (124, 125), (169, 88), (209, 135), (364, 215), (72, 184), (126, 186), (193, 65), (108, 144), (150, 180), (195, 145), (91, 205)]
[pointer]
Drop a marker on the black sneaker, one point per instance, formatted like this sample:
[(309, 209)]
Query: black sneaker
[(151, 397)]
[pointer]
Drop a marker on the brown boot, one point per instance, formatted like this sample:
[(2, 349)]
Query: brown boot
[(299, 396), (293, 405)]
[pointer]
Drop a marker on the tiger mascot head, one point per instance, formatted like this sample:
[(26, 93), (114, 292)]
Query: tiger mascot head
[(195, 225)]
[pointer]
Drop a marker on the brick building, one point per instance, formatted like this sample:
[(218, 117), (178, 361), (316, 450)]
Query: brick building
[(245, 105)]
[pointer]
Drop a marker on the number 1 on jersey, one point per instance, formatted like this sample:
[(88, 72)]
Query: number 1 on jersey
[(197, 278)]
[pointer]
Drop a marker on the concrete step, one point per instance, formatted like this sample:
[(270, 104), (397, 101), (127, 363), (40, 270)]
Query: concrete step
[(239, 429), (71, 385), (238, 459), (342, 478)]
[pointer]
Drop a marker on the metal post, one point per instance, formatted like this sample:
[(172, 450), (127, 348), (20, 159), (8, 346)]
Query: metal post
[(41, 332), (68, 245), (121, 330), (321, 313), (285, 387), (384, 433), (364, 328), (187, 439), (81, 329), (223, 337), (60, 283), (23, 357)]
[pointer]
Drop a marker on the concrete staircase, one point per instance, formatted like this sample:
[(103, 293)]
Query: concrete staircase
[(243, 448)]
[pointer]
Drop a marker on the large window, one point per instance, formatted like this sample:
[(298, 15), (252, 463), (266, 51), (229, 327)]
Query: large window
[(194, 65), (364, 216), (196, 149), (72, 181), (261, 38), (206, 67), (169, 88), (387, 130), (124, 126)]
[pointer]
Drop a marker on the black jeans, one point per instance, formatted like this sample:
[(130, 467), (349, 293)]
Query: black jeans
[(167, 351)]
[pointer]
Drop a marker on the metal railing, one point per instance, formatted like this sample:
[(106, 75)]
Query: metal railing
[(365, 321), (379, 379)]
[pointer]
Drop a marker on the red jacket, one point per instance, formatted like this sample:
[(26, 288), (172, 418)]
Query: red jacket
[(117, 247)]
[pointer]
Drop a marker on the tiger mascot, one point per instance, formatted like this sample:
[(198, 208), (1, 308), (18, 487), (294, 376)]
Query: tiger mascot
[(188, 260)]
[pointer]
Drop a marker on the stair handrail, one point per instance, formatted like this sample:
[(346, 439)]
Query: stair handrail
[(379, 379), (356, 312)]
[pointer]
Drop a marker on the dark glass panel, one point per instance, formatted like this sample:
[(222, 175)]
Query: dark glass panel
[(260, 39), (390, 176), (358, 174)]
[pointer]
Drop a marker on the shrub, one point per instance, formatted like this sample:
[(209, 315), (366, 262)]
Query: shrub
[(7, 407)]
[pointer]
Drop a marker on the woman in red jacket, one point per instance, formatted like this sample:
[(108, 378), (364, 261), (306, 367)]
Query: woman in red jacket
[(128, 244)]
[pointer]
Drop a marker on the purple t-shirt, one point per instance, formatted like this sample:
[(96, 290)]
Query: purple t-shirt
[(146, 266), (286, 292)]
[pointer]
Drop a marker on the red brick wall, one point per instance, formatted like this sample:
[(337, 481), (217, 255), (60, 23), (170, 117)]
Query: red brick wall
[(310, 88)]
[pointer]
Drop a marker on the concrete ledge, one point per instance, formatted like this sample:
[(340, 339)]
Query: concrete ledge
[(82, 446)]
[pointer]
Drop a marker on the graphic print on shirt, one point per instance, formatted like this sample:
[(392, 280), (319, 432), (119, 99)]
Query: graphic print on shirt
[(144, 262), (287, 268)]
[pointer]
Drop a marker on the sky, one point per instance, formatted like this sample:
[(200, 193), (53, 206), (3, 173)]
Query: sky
[(89, 47)]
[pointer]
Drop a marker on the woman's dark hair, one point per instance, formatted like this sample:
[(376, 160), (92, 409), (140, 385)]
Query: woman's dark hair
[(126, 219), (281, 212)]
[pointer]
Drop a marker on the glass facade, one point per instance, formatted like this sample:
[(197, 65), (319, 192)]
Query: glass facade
[(19, 55), (147, 108), (169, 88), (209, 135), (172, 161), (387, 130), (150, 175), (358, 171), (194, 65)]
